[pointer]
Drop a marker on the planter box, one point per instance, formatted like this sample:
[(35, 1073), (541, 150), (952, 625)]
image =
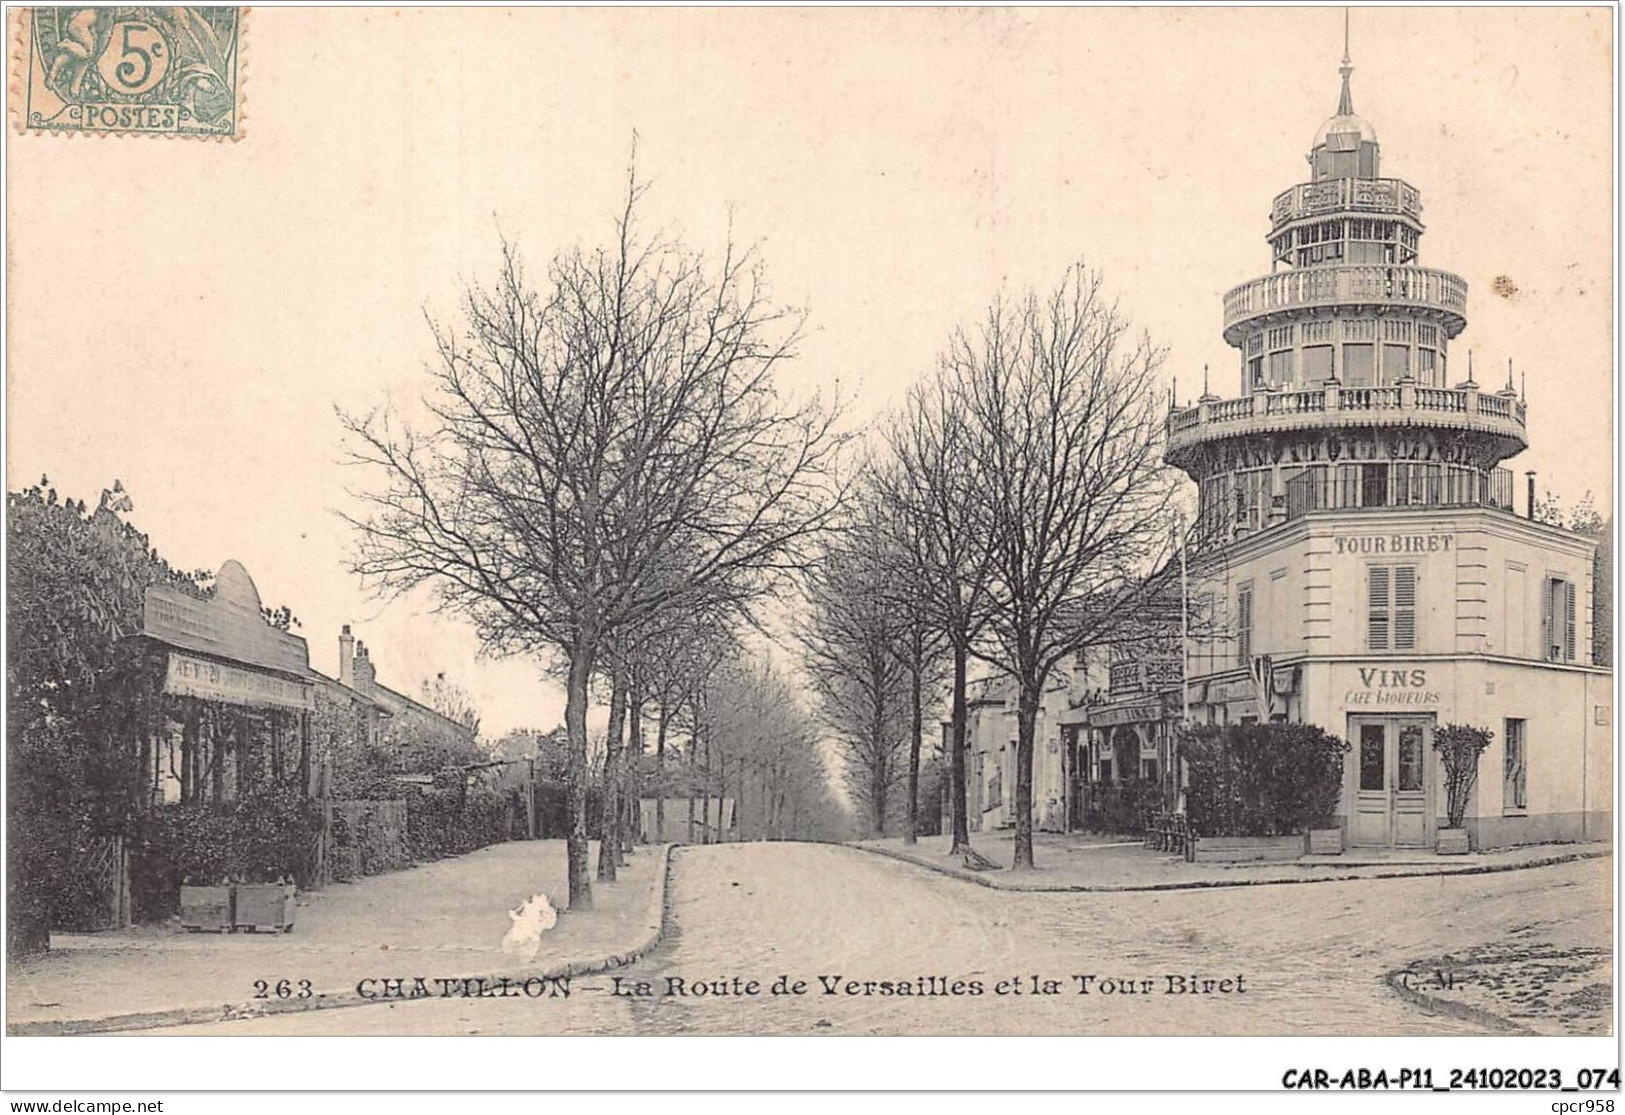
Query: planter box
[(207, 909), (1244, 849), (1453, 842), (1325, 842), (266, 907)]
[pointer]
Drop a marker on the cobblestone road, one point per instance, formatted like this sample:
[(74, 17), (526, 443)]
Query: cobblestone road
[(1282, 959)]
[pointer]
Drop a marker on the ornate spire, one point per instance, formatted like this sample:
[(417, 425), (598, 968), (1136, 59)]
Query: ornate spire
[(1345, 103)]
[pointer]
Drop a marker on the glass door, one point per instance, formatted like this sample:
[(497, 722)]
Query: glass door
[(1390, 800)]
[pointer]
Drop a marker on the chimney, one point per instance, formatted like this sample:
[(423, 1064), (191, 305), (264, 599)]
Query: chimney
[(346, 658), (365, 678), (1531, 475)]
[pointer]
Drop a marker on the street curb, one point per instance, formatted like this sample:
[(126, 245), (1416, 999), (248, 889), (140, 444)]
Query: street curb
[(1349, 875), (334, 1000), (1460, 1011)]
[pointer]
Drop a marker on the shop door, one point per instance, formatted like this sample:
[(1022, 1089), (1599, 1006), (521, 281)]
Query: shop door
[(1390, 801)]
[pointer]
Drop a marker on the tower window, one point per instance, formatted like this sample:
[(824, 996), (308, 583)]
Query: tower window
[(1317, 364), (1396, 363), (1427, 367), (1358, 365)]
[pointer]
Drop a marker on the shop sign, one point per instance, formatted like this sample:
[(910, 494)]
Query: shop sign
[(227, 625), (1125, 714), (233, 685), (1394, 544), (1391, 687), (1232, 689)]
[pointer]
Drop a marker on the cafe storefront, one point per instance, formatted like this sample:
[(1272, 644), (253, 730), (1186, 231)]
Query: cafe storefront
[(1546, 775)]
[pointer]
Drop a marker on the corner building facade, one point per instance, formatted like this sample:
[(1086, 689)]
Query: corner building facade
[(1360, 564)]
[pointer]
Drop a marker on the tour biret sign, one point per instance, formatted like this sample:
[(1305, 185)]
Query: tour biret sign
[(1398, 544)]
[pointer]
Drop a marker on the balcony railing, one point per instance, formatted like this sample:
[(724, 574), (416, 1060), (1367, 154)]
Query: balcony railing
[(1403, 485), (1349, 285), (1364, 195), (1334, 404)]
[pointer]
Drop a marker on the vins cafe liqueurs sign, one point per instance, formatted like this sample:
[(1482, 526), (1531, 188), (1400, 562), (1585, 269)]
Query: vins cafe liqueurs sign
[(1389, 687)]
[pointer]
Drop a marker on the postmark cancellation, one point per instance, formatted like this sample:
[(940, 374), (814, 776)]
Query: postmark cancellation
[(129, 69)]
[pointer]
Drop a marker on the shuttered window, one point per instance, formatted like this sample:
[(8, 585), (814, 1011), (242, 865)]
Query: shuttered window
[(1244, 623), (1557, 620), (1391, 607)]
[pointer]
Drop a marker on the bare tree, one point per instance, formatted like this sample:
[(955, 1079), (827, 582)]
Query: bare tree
[(849, 639), (934, 491), (770, 741), (918, 641), (453, 702), (603, 447), (1067, 428)]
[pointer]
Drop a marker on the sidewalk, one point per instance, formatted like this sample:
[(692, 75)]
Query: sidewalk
[(1075, 862), (443, 920)]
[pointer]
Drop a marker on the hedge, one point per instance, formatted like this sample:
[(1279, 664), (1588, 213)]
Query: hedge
[(1261, 779)]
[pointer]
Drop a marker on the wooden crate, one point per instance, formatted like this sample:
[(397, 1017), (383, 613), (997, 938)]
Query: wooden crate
[(207, 909), (264, 907)]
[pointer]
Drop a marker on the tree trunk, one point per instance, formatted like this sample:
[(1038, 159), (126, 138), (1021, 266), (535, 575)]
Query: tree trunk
[(1026, 727), (911, 834), (956, 754), (722, 798), (632, 794), (609, 839), (575, 727), (877, 790), (660, 772)]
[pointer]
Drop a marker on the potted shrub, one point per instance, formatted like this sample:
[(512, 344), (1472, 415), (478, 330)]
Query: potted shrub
[(1459, 746), (201, 840), (275, 828)]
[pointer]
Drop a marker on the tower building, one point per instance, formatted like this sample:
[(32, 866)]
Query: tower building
[(1358, 553)]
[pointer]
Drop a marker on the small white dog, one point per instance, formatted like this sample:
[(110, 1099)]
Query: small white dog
[(530, 920)]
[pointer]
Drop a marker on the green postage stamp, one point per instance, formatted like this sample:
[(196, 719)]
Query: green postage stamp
[(132, 69)]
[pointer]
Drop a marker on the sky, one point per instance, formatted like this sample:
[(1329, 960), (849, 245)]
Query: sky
[(186, 316)]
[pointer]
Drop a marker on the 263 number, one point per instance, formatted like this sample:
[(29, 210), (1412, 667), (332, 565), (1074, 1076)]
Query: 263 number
[(283, 989)]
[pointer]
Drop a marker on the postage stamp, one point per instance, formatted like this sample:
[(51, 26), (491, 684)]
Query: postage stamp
[(131, 69)]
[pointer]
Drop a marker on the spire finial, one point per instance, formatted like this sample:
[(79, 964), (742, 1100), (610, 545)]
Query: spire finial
[(1470, 366), (1204, 379), (1345, 102), (1509, 374)]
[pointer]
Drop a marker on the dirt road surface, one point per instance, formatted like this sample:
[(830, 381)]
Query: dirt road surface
[(1287, 960)]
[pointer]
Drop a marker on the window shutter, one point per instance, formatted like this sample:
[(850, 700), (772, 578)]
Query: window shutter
[(1568, 621), (1404, 607), (1377, 607), (1244, 623), (1548, 636)]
